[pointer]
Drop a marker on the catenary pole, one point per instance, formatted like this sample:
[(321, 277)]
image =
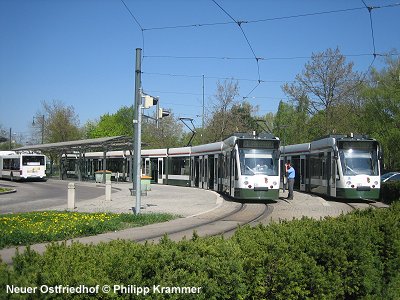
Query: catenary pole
[(202, 116), (137, 136)]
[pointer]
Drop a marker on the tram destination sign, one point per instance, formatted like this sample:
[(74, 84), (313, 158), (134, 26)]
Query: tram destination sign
[(362, 145), (257, 144)]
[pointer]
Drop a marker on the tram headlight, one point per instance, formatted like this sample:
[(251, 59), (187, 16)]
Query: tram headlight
[(274, 183), (376, 183), (348, 182)]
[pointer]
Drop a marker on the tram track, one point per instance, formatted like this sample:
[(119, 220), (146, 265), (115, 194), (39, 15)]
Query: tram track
[(366, 204), (217, 222), (267, 210)]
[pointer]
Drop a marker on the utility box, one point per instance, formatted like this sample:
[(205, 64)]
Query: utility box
[(145, 183), (99, 176)]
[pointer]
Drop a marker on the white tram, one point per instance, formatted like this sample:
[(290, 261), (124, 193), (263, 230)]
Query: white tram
[(244, 166), (340, 166)]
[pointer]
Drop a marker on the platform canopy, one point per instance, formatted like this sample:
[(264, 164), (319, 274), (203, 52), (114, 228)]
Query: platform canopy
[(88, 145)]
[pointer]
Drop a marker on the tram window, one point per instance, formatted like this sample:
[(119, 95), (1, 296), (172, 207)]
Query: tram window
[(315, 167), (258, 161), (179, 166), (356, 161)]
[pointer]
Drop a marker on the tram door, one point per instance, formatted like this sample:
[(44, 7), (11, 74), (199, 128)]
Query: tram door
[(192, 171), (217, 173), (196, 172), (201, 177), (302, 173), (233, 173), (211, 172), (295, 161), (205, 172), (146, 166), (160, 170), (332, 176)]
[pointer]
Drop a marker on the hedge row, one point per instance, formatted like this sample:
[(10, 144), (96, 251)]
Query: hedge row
[(390, 192), (356, 256)]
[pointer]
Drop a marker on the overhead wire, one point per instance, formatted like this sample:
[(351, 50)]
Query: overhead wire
[(269, 19), (370, 8), (255, 57), (239, 23), (259, 58), (137, 22)]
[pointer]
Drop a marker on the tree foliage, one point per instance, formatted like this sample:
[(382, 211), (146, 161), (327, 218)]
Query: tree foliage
[(229, 115), (291, 124), (381, 117), (61, 123), (329, 98), (109, 125), (326, 83), (168, 134)]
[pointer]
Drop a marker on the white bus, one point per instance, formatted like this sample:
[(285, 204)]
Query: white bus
[(20, 166)]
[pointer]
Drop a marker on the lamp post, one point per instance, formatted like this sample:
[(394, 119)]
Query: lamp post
[(42, 124)]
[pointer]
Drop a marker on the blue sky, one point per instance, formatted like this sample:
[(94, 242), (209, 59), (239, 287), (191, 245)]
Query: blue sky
[(82, 52)]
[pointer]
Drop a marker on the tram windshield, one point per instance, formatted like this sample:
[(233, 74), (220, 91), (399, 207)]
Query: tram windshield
[(359, 161), (258, 161)]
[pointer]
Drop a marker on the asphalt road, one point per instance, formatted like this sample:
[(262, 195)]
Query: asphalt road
[(32, 196)]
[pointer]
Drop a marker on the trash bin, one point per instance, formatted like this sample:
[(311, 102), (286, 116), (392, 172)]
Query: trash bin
[(99, 176), (145, 183)]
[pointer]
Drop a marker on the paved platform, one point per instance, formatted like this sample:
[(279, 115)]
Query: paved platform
[(181, 201), (187, 201)]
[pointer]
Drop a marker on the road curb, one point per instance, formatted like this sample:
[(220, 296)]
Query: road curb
[(9, 192)]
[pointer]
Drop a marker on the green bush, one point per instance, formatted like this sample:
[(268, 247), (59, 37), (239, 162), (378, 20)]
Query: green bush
[(390, 192), (355, 256)]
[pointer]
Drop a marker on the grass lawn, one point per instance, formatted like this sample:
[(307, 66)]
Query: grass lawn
[(2, 190), (36, 227)]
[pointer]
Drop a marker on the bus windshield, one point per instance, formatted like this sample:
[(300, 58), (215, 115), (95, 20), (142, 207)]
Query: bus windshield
[(258, 161), (359, 161), (32, 160)]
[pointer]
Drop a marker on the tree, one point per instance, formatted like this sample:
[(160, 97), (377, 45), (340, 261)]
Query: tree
[(116, 124), (291, 123), (326, 83), (229, 115), (168, 134), (4, 139), (381, 117), (61, 123)]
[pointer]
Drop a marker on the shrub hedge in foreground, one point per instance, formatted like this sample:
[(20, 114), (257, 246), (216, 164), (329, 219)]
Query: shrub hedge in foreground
[(390, 192), (356, 256)]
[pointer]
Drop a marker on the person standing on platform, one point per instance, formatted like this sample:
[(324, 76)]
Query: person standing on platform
[(291, 174)]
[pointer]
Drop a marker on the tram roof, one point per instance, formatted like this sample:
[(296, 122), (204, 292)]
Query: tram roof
[(98, 144)]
